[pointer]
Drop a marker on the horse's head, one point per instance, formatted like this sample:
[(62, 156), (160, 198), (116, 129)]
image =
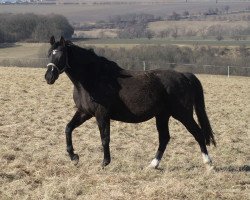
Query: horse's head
[(58, 60)]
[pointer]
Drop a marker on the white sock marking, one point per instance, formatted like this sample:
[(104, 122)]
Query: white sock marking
[(154, 163), (206, 158)]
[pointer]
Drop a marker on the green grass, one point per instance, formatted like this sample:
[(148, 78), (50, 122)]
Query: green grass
[(23, 54), (22, 50)]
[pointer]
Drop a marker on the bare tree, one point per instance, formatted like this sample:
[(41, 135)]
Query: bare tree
[(175, 16), (219, 37), (175, 32), (227, 7)]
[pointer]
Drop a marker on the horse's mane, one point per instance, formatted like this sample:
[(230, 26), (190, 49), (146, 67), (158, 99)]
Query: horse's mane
[(106, 65), (89, 52)]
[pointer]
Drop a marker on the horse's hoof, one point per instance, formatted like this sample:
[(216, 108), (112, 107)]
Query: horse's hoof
[(105, 163), (154, 164), (75, 159), (209, 167)]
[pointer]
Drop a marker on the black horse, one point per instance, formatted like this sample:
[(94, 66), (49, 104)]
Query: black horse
[(105, 91)]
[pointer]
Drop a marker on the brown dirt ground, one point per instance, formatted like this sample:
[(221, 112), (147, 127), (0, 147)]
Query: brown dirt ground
[(34, 164)]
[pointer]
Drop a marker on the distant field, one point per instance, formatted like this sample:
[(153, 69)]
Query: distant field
[(34, 164), (157, 41), (97, 33), (22, 50), (196, 26), (23, 54), (92, 13)]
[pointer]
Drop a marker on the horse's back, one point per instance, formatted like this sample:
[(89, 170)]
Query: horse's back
[(173, 82)]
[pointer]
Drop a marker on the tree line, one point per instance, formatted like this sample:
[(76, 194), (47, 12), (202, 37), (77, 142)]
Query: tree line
[(175, 57), (129, 26), (31, 27), (133, 25)]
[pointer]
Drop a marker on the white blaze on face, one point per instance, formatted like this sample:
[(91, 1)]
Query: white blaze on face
[(54, 52)]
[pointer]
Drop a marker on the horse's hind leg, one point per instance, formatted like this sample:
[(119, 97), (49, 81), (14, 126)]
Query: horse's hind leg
[(78, 119), (196, 131), (164, 137)]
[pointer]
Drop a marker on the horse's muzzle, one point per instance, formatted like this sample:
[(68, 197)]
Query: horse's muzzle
[(51, 75)]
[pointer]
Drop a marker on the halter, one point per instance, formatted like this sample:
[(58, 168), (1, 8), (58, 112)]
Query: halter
[(62, 70), (59, 71)]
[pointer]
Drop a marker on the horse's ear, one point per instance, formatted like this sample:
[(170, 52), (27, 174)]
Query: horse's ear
[(62, 41), (52, 40)]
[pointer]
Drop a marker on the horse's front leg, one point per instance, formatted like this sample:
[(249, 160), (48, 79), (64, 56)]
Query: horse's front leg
[(103, 122), (78, 119)]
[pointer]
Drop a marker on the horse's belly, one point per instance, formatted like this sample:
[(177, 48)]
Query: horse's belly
[(138, 108), (140, 98), (129, 117)]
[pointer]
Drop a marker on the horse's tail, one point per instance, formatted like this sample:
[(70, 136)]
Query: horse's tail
[(199, 105)]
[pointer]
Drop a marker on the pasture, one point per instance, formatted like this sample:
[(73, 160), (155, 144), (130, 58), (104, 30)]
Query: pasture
[(34, 163)]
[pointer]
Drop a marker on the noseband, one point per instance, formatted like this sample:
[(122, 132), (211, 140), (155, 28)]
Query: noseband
[(55, 67)]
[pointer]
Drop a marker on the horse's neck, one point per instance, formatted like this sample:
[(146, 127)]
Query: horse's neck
[(79, 72), (90, 70)]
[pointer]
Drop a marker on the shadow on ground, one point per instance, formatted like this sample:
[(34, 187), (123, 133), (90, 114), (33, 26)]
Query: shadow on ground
[(244, 168)]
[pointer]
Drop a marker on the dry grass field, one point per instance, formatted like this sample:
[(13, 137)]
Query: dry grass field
[(34, 164)]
